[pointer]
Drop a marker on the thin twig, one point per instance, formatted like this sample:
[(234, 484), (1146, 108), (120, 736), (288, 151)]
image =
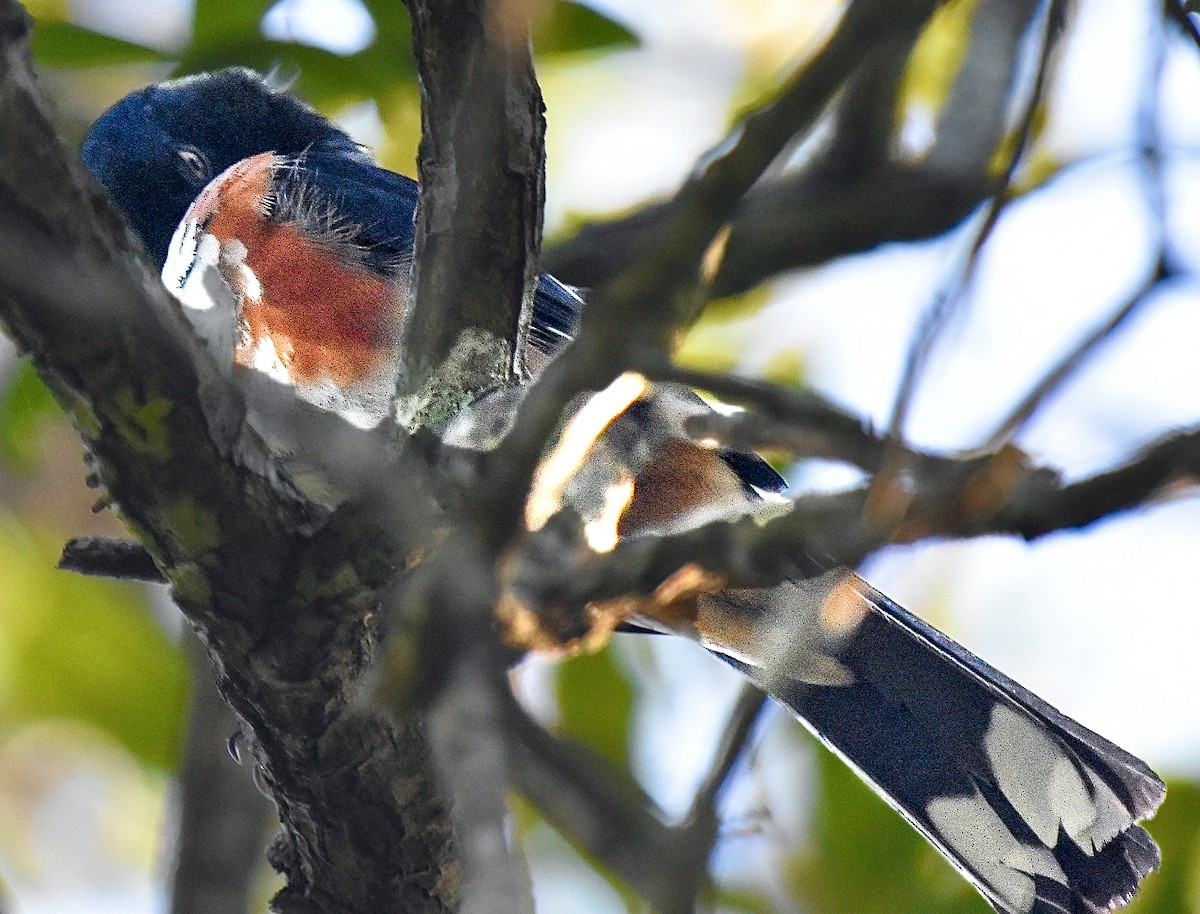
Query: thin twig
[(101, 557), (698, 832), (1053, 379), (1162, 269), (950, 297), (734, 738), (602, 811)]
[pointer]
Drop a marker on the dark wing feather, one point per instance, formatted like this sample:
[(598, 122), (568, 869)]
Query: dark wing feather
[(1036, 810)]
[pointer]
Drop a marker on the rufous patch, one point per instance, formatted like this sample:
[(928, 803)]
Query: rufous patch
[(680, 479), (325, 319)]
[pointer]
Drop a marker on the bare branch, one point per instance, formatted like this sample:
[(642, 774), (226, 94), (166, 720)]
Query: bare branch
[(600, 810), (710, 197), (1040, 510), (477, 243), (1162, 269), (734, 736), (243, 548), (479, 227), (947, 497), (1054, 377), (699, 829), (223, 819), (469, 739), (948, 299)]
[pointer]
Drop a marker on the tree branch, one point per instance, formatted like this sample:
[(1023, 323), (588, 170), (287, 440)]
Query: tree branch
[(477, 244), (950, 298), (852, 195), (631, 320), (479, 228), (101, 557), (948, 497), (281, 590), (604, 813)]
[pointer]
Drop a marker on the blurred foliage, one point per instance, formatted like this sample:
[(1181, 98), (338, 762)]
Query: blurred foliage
[(595, 704), (228, 33), (742, 902), (84, 649), (570, 27), (26, 407), (74, 647), (595, 700), (1176, 828), (938, 56), (62, 44)]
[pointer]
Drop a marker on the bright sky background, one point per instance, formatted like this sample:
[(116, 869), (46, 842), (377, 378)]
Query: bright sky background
[(1103, 624)]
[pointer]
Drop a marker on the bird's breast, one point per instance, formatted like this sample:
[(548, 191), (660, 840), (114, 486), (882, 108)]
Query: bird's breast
[(308, 315)]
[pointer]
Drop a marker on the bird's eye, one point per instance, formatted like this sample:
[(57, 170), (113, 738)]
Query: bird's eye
[(193, 163)]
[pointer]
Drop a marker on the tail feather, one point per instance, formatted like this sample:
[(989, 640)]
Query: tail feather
[(1037, 811)]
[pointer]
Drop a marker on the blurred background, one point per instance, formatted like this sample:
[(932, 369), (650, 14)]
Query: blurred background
[(1103, 623)]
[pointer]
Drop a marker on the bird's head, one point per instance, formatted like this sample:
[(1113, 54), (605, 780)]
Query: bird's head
[(156, 149)]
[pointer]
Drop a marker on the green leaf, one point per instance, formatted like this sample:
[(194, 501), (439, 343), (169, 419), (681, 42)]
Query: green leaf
[(86, 649), (218, 23), (25, 408), (1176, 828), (570, 27), (61, 44), (228, 34), (742, 901), (595, 702)]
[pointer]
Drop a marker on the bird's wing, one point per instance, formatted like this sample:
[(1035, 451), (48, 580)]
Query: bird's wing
[(378, 206), (1037, 811)]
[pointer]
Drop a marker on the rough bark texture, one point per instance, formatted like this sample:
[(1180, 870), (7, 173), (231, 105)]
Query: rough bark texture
[(480, 222), (280, 590)]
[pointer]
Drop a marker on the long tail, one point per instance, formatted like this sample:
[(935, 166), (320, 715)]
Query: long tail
[(1037, 811)]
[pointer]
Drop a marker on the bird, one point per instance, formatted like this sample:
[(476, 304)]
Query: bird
[(311, 241)]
